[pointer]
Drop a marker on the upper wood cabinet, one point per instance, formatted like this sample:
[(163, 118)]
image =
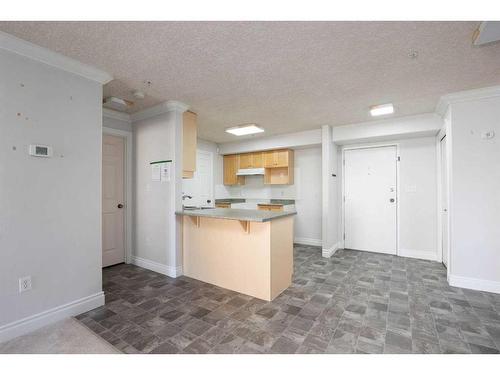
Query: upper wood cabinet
[(231, 166), (189, 141), (277, 158), (251, 160)]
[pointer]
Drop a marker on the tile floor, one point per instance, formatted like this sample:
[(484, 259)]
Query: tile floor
[(354, 302)]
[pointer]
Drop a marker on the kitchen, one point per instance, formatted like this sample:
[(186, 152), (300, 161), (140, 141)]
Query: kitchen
[(247, 187), (300, 190)]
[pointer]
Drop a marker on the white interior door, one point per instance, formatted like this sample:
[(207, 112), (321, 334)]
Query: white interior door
[(113, 153), (370, 185), (200, 187), (444, 202)]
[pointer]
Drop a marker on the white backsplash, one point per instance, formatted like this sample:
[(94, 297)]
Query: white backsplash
[(254, 188)]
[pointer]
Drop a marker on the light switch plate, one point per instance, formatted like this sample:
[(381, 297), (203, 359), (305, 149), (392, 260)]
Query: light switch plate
[(24, 284)]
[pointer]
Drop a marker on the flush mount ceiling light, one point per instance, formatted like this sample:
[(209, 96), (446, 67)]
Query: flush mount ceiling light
[(245, 129), (382, 109), (119, 104)]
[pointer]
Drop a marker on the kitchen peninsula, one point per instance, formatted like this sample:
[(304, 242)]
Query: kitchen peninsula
[(248, 251)]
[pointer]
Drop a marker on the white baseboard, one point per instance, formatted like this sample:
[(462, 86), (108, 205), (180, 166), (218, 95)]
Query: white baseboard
[(476, 284), (157, 267), (327, 253), (426, 255), (33, 322), (308, 241)]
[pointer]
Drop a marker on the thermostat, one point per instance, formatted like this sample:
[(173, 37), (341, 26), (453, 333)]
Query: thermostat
[(40, 150)]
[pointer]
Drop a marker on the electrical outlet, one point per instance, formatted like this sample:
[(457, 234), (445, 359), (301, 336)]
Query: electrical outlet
[(24, 284)]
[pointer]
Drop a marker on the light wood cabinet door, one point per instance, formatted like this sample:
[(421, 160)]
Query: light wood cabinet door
[(257, 161), (189, 141), (246, 161), (268, 159), (231, 166), (281, 158), (277, 158)]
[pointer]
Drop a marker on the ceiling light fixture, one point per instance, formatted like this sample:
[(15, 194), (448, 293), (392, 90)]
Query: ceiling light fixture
[(382, 109), (138, 94), (245, 129)]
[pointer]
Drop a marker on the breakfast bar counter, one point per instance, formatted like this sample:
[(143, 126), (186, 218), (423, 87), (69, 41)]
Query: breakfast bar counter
[(248, 251)]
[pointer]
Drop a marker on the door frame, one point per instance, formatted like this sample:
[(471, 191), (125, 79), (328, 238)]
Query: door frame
[(360, 147), (127, 173), (441, 134), (210, 154)]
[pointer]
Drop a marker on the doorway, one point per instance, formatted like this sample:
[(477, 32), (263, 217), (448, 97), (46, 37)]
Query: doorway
[(370, 199), (113, 189), (444, 202), (200, 187)]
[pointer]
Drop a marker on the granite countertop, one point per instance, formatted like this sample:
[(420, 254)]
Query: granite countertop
[(237, 214), (272, 202), (230, 200), (283, 202)]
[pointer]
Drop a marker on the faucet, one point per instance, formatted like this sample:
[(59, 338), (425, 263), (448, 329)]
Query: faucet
[(184, 196)]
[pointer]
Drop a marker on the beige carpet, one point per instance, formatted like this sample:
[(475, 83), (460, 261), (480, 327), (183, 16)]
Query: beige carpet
[(65, 337)]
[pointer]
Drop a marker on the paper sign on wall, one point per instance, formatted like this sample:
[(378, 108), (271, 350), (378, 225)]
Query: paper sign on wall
[(165, 172), (155, 172), (160, 170)]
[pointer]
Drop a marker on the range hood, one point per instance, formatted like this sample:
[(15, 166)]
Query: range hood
[(250, 172)]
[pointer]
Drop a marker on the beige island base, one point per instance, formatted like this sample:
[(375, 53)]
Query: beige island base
[(248, 251)]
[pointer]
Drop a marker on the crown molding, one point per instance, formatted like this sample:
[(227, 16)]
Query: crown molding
[(466, 96), (24, 48), (111, 113), (168, 106)]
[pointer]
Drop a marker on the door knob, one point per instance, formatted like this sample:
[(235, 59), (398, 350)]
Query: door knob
[(120, 205), (392, 200)]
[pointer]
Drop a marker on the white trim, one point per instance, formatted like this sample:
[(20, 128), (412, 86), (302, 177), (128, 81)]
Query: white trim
[(327, 253), (439, 204), (398, 198), (210, 154), (308, 241), (30, 323), (419, 254), (46, 56), (170, 105), (157, 267), (465, 96), (128, 187), (475, 284), (111, 113)]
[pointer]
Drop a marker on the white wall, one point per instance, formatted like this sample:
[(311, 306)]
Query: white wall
[(50, 208), (114, 123), (330, 198), (157, 134), (474, 198), (308, 196), (153, 141), (417, 197)]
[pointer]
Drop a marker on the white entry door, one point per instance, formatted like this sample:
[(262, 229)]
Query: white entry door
[(444, 202), (200, 187), (113, 152), (370, 185)]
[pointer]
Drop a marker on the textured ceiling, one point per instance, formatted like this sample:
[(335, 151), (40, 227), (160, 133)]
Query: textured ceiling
[(284, 76)]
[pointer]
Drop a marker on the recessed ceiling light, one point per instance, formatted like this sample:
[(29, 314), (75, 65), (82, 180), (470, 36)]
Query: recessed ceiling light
[(245, 129), (382, 109)]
